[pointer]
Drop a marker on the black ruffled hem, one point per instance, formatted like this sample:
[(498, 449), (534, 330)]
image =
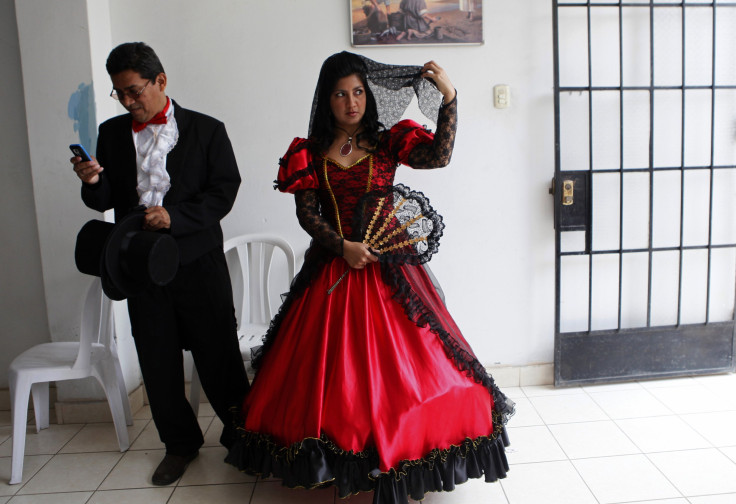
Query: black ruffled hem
[(316, 463)]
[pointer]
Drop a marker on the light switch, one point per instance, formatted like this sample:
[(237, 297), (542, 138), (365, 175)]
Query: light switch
[(501, 96)]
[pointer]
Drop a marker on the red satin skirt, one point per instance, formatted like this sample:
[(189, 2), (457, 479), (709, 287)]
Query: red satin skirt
[(351, 366)]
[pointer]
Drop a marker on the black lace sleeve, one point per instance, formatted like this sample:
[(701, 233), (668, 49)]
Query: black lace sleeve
[(307, 211), (438, 153)]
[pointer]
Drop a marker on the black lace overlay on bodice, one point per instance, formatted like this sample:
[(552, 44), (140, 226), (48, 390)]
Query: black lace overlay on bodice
[(328, 218)]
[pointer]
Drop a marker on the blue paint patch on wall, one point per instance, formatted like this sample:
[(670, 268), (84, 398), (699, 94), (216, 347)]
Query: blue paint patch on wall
[(81, 110)]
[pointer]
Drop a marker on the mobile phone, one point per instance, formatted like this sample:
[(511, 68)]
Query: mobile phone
[(80, 151)]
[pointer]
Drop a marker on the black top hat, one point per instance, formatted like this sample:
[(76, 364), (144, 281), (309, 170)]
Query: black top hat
[(125, 257)]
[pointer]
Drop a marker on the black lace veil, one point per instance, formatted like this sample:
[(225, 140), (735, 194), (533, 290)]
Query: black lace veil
[(393, 87)]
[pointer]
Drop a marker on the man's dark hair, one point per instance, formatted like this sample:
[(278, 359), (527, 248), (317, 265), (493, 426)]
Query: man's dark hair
[(136, 56)]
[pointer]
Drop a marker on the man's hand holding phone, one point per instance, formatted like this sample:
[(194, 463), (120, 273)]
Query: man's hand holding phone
[(85, 166)]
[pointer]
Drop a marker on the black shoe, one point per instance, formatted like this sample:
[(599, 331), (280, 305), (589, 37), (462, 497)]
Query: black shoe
[(171, 468)]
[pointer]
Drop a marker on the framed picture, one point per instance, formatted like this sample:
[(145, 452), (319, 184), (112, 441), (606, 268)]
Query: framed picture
[(416, 22)]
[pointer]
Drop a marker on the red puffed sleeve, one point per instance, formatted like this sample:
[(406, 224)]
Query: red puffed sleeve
[(406, 135), (296, 168)]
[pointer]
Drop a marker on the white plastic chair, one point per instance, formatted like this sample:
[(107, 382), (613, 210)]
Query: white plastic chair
[(94, 355), (250, 259)]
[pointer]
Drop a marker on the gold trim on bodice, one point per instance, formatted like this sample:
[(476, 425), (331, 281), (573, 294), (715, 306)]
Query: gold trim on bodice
[(368, 185)]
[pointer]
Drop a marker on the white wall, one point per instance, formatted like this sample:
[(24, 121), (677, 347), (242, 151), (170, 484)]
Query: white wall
[(23, 321)]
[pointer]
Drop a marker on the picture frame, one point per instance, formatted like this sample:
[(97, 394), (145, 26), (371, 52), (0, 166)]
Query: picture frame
[(378, 23)]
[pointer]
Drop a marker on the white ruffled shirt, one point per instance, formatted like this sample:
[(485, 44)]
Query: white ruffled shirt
[(152, 144)]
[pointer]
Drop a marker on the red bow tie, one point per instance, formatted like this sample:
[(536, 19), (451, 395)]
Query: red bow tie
[(159, 118)]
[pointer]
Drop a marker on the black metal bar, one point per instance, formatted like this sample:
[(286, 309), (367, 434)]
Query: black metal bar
[(662, 169), (654, 249), (712, 160), (657, 5), (556, 195), (651, 162), (581, 89), (589, 231), (682, 171), (621, 160)]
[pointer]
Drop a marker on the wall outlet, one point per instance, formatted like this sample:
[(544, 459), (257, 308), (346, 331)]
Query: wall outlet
[(502, 96)]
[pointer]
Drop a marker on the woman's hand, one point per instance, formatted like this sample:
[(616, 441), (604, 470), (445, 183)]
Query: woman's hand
[(357, 254), (437, 74)]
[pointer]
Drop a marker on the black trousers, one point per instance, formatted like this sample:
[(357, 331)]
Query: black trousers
[(195, 312)]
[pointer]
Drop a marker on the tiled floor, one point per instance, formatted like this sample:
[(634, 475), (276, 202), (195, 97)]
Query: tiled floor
[(655, 442)]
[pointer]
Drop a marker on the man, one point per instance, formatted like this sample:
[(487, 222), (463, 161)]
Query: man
[(180, 165)]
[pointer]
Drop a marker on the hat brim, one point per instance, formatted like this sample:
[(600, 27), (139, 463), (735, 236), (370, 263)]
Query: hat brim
[(118, 282)]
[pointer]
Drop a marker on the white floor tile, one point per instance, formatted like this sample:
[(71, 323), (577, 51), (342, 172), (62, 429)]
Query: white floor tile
[(134, 470), (473, 491), (143, 414), (513, 392), (31, 465), (159, 495), (569, 408), (219, 494), (72, 473), (720, 384), (4, 500), (714, 499), (5, 418), (730, 452), (549, 390), (627, 478), (662, 501), (148, 439), (698, 472), (667, 382), (592, 439), (660, 434), (533, 444), (206, 410), (608, 387), (99, 437), (692, 399), (718, 428), (547, 483), (209, 468), (629, 403), (525, 414), (56, 498), (212, 436), (275, 493), (47, 442)]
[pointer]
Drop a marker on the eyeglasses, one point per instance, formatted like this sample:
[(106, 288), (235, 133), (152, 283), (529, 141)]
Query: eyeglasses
[(119, 95)]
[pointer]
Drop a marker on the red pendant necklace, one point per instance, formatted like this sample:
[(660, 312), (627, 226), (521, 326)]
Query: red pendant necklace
[(347, 148)]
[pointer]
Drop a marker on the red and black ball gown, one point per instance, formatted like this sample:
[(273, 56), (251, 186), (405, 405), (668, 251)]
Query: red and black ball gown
[(371, 387)]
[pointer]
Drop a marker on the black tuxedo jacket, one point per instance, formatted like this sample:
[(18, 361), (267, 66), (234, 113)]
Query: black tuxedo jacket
[(203, 171)]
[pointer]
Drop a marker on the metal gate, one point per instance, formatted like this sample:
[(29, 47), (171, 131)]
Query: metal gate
[(644, 188)]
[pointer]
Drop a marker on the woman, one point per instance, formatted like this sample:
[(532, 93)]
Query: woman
[(372, 386)]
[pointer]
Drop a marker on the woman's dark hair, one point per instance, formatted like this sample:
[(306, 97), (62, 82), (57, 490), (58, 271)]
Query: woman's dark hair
[(333, 69), (136, 56)]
